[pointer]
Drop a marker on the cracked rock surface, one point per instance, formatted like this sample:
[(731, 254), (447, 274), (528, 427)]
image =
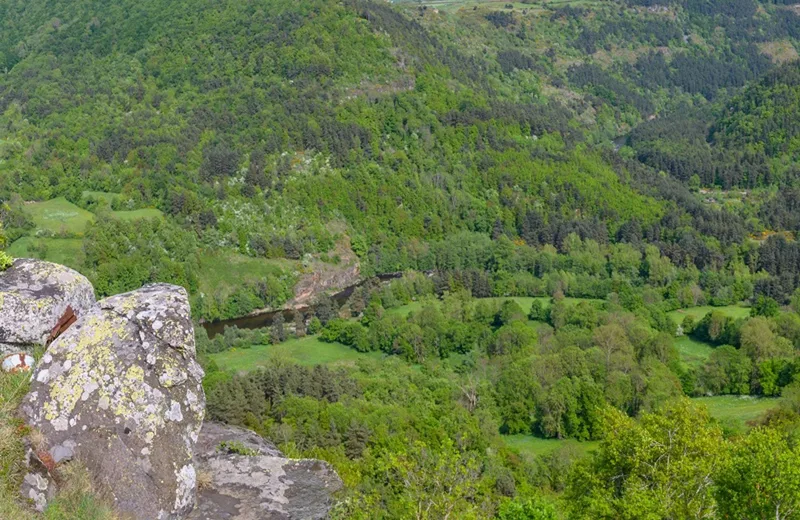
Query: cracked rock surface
[(261, 484), (33, 296), (121, 390)]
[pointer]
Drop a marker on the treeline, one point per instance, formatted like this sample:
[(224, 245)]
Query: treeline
[(561, 369)]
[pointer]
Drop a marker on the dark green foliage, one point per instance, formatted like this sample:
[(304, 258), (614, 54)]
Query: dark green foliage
[(716, 328), (278, 330), (727, 371), (765, 306), (539, 312), (123, 255)]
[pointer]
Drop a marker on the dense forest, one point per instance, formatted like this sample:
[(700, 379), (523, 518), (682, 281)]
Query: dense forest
[(594, 206)]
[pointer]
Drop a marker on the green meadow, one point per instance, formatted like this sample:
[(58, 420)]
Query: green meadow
[(304, 351), (734, 311), (65, 251), (734, 412), (59, 215), (692, 351)]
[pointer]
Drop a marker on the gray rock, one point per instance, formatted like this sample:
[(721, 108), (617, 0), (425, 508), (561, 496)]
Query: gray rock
[(213, 434), (120, 390), (264, 486), (33, 297)]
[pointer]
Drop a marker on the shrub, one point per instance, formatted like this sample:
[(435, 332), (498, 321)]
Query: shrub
[(5, 260)]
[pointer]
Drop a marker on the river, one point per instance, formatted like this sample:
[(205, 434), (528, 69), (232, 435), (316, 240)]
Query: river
[(264, 319)]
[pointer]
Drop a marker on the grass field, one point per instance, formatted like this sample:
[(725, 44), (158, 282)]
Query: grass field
[(226, 272), (59, 250), (692, 352), (734, 412), (530, 445), (58, 215), (734, 311), (305, 351), (136, 214)]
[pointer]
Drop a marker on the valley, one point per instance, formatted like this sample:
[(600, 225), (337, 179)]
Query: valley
[(485, 259)]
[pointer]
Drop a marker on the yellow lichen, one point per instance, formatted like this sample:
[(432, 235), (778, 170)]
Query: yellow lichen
[(92, 357)]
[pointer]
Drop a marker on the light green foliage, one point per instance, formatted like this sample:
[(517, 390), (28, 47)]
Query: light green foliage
[(759, 341), (435, 483), (761, 479), (530, 509), (236, 447), (5, 259), (658, 467)]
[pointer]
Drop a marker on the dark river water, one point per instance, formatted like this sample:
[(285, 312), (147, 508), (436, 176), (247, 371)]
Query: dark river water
[(264, 319)]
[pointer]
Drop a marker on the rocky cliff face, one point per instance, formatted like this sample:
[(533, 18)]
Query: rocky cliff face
[(120, 390), (245, 477)]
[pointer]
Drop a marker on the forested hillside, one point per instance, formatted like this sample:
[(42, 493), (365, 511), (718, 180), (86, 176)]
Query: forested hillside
[(603, 197)]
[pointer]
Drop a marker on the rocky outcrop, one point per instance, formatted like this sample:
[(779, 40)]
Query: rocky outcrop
[(34, 296), (324, 277), (120, 390), (246, 478)]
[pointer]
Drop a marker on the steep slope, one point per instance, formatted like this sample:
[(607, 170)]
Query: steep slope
[(765, 117), (255, 125)]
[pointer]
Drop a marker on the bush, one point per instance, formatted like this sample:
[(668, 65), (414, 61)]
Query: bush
[(5, 260)]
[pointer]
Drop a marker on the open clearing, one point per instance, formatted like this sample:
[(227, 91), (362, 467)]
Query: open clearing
[(734, 412), (692, 351), (59, 215), (734, 311), (304, 351), (222, 273), (59, 250)]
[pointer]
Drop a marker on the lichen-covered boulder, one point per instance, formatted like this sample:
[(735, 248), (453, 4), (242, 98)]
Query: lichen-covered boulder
[(120, 390), (34, 296), (246, 478)]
